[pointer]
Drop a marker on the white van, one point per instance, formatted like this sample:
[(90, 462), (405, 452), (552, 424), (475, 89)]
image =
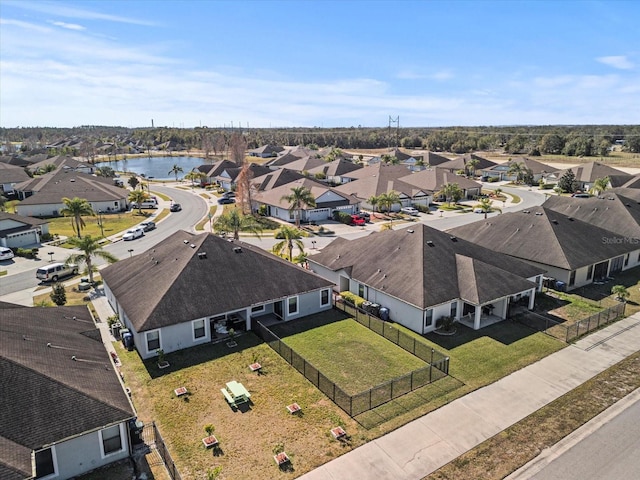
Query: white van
[(149, 203), (54, 271)]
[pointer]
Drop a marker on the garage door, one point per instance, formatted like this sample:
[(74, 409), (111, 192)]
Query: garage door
[(22, 239)]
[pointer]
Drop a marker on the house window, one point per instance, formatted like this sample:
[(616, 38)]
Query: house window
[(153, 340), (361, 290), (428, 319), (198, 329), (45, 463), (258, 309), (589, 272), (572, 278), (324, 298), (626, 259), (111, 440), (293, 305), (454, 309)]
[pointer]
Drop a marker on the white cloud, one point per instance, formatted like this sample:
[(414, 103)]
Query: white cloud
[(617, 61), (59, 9), (440, 75), (69, 26)]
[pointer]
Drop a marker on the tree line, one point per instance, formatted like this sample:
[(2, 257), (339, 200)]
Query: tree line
[(585, 140)]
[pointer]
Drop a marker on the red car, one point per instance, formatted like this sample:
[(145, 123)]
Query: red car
[(357, 220)]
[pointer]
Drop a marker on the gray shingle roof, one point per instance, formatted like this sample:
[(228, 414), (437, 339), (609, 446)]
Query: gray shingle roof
[(170, 284), (379, 178), (336, 168), (41, 386), (544, 236), (460, 163), (275, 178), (12, 174), (274, 196), (590, 172), (610, 211), (434, 179), (426, 267)]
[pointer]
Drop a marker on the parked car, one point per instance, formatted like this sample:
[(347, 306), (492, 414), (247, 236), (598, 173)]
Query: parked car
[(175, 207), (364, 215), (226, 200), (151, 203), (148, 225), (6, 253), (229, 195), (54, 271), (133, 233), (356, 220), (410, 211), (581, 195)]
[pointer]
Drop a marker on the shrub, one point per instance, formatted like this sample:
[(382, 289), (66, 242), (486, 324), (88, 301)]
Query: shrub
[(422, 208), (342, 217), (58, 294), (547, 186), (493, 179), (352, 298), (27, 252), (262, 210)]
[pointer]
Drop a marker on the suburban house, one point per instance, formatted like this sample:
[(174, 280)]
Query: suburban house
[(227, 178), (42, 196), (305, 164), (335, 172), (17, 231), (327, 200), (291, 155), (421, 275), (63, 162), (571, 251), (192, 289), (379, 178), (63, 408), (501, 170), (211, 171), (610, 211), (9, 176), (461, 164), (266, 151), (274, 179), (587, 173), (431, 159), (433, 179)]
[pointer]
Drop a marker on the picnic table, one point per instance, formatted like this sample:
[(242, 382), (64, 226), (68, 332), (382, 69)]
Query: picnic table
[(238, 392), (293, 408), (255, 367), (338, 433), (180, 391)]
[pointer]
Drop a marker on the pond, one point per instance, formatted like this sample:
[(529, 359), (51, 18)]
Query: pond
[(158, 168)]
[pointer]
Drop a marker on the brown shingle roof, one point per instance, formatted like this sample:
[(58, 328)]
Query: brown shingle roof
[(274, 196), (336, 168), (424, 266), (170, 284), (433, 179), (12, 174), (544, 236), (42, 386), (590, 172), (460, 163)]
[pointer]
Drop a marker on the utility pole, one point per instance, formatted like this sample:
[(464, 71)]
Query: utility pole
[(397, 122)]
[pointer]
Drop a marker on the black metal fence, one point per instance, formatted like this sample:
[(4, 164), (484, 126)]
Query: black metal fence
[(569, 333), (437, 368), (164, 454)]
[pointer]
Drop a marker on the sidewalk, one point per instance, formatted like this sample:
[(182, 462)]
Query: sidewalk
[(424, 445)]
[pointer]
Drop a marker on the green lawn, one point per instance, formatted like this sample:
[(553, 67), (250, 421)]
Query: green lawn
[(112, 223), (352, 356)]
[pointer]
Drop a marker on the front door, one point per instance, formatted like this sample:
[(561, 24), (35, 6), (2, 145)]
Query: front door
[(277, 309)]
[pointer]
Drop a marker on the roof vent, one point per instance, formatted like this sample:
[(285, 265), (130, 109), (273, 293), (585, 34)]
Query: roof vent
[(526, 211), (237, 249), (454, 239), (72, 180), (185, 241), (74, 358), (379, 270), (409, 231), (430, 243), (202, 255), (555, 222), (570, 219), (192, 246), (539, 214), (49, 344)]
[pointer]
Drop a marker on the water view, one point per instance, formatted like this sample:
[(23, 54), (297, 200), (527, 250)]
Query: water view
[(158, 167)]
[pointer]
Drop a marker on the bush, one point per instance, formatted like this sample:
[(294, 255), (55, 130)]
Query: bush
[(262, 210), (352, 298), (422, 208), (547, 186), (27, 252), (493, 179), (342, 217), (46, 237)]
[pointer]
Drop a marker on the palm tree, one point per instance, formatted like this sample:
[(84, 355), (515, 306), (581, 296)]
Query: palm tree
[(517, 169), (176, 169), (234, 222), (621, 292), (373, 201), (105, 171), (76, 207), (299, 197), (486, 206), (599, 185), (133, 181), (389, 199), (49, 167), (89, 248), (451, 192), (472, 164), (290, 237), (137, 197), (194, 176)]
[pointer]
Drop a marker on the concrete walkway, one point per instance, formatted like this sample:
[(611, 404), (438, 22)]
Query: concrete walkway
[(424, 445)]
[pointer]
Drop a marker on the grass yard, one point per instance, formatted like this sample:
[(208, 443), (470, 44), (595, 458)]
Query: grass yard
[(351, 355), (247, 436), (112, 223)]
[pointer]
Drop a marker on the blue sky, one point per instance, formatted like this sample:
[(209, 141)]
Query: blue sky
[(318, 63)]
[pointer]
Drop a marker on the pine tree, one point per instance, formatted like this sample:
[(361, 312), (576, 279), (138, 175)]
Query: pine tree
[(567, 182), (58, 294)]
